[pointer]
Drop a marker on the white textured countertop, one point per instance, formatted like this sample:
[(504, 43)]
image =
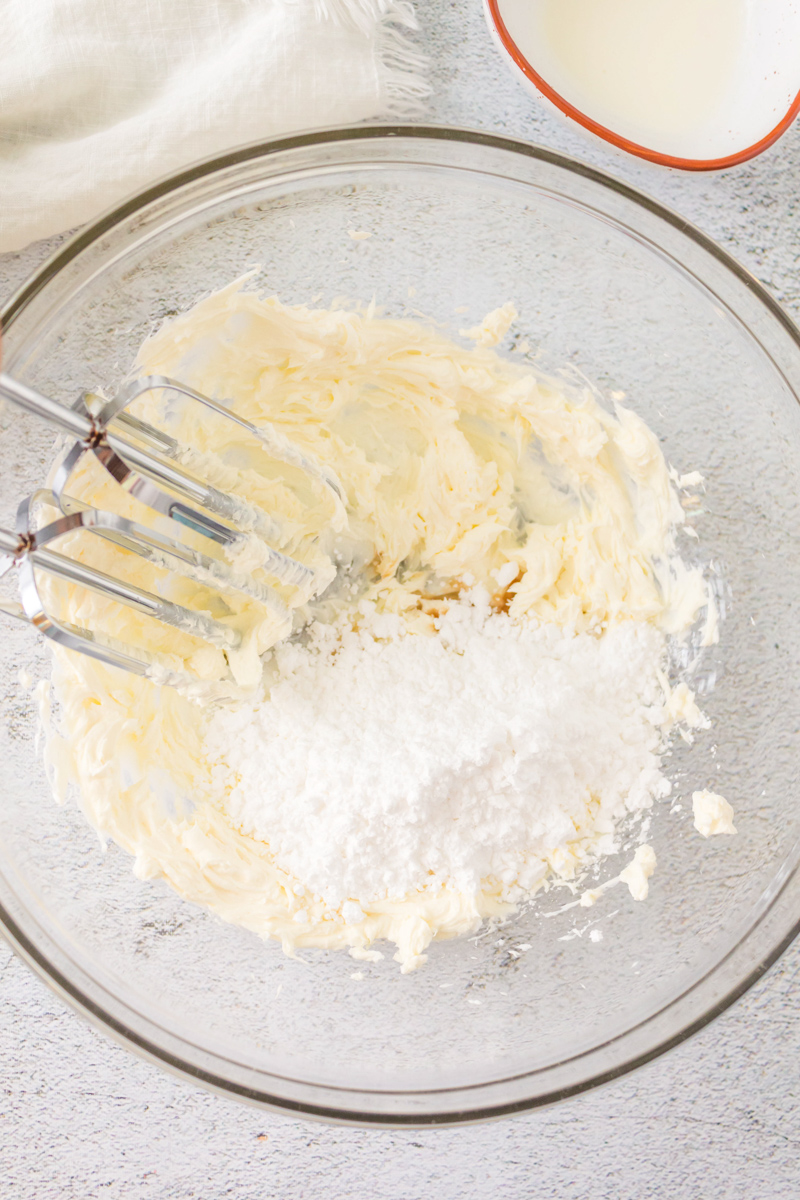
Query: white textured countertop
[(717, 1117)]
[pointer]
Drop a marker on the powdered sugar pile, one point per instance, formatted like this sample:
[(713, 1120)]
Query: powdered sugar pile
[(384, 761)]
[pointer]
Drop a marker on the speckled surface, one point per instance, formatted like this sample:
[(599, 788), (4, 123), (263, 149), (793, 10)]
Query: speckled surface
[(81, 1118)]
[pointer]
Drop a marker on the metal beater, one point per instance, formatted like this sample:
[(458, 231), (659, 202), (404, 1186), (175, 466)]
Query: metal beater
[(148, 464)]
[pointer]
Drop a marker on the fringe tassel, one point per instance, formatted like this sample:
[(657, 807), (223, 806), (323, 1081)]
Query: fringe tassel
[(358, 14), (403, 67)]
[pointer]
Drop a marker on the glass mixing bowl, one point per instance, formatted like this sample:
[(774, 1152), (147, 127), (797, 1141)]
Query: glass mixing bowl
[(614, 285)]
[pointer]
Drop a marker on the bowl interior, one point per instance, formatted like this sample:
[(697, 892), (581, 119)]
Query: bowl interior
[(606, 285)]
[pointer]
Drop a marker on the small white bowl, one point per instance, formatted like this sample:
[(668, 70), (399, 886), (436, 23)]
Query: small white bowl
[(762, 103)]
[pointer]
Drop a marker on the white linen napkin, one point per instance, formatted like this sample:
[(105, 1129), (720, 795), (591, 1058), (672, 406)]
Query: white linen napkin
[(100, 97)]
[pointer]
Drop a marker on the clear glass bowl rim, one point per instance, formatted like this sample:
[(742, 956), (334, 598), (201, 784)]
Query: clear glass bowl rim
[(726, 981)]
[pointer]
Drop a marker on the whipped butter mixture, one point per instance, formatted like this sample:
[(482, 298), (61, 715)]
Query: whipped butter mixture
[(466, 698)]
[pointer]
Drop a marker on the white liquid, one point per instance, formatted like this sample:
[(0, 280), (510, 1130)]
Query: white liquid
[(643, 68)]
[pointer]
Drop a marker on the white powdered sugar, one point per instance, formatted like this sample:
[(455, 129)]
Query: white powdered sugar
[(384, 761)]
